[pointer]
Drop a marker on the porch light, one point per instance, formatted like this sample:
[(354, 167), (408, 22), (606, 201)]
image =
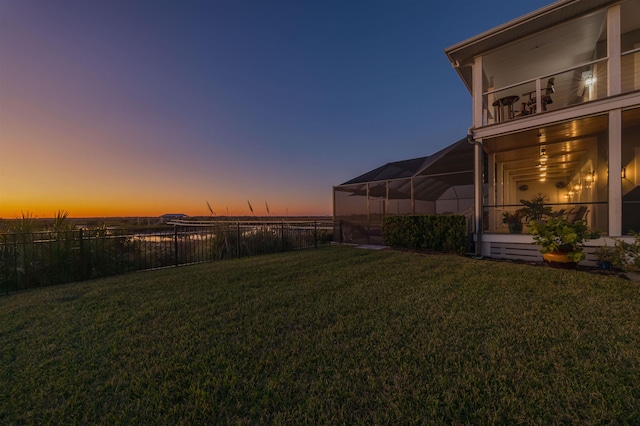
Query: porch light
[(624, 172), (588, 78)]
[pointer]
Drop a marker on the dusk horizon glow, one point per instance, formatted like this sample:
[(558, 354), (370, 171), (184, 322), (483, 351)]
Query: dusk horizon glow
[(141, 108)]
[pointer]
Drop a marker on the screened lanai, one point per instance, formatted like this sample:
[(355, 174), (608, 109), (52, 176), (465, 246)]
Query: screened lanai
[(438, 184)]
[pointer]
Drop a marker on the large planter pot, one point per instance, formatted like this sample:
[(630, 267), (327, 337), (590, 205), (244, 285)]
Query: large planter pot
[(558, 259), (515, 227)]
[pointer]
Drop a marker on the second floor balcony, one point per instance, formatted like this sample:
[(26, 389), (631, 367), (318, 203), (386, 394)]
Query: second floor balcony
[(564, 65)]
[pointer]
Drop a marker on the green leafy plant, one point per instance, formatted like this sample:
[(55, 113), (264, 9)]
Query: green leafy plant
[(512, 217), (535, 209), (627, 255), (513, 221), (558, 235), (605, 253)]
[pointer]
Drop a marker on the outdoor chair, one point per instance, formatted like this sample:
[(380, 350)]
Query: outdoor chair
[(545, 99), (577, 213)]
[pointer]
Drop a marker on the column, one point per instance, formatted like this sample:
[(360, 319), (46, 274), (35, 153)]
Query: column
[(615, 166)]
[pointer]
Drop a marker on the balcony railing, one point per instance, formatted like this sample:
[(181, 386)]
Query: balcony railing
[(583, 83), (594, 213)]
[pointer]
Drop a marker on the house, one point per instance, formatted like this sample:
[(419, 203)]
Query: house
[(556, 112), (438, 184), (168, 217)]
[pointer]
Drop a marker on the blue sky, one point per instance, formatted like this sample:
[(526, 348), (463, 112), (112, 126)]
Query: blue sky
[(136, 107)]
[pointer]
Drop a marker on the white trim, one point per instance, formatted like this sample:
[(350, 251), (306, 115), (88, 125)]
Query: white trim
[(508, 238), (477, 92), (615, 166)]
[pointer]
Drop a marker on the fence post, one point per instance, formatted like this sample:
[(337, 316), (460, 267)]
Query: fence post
[(83, 266), (15, 261), (340, 231), (238, 240), (315, 234), (282, 235), (175, 243)]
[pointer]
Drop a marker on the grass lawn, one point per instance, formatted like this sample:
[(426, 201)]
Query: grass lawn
[(336, 335)]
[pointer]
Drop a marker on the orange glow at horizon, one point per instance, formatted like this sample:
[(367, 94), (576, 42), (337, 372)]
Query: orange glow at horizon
[(56, 169)]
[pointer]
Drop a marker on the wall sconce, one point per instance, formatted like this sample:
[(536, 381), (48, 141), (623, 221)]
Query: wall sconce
[(589, 176), (587, 76), (624, 172), (566, 196)]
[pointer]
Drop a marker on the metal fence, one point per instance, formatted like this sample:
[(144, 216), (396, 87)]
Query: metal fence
[(30, 260)]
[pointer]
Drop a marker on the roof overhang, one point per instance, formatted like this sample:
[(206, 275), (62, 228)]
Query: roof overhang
[(462, 55)]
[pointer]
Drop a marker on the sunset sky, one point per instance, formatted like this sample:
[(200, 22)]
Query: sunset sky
[(140, 108)]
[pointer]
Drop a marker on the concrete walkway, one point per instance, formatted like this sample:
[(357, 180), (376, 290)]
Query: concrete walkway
[(372, 247)]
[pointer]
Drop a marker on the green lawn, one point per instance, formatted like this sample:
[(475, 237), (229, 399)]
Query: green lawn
[(336, 335)]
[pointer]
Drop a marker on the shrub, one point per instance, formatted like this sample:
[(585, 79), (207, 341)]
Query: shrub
[(627, 255), (426, 233)]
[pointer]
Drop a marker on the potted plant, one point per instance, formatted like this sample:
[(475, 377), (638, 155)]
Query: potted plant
[(627, 257), (513, 221), (562, 242), (535, 209), (605, 256)]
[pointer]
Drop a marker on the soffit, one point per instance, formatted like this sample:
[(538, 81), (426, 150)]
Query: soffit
[(534, 22), (557, 48), (462, 54)]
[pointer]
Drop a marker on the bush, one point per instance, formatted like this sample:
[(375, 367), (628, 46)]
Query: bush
[(426, 233)]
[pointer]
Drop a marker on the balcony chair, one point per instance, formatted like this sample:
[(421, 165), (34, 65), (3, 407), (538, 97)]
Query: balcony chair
[(545, 99)]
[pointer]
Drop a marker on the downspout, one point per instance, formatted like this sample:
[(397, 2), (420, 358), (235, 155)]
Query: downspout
[(478, 190)]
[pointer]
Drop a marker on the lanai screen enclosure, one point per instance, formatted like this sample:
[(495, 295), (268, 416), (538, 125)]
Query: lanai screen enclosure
[(438, 184)]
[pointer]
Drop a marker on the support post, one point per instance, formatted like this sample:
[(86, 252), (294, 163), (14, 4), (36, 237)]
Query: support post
[(83, 265), (315, 234), (615, 165), (175, 244)]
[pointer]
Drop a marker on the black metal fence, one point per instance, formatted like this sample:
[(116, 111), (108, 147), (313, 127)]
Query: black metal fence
[(46, 258)]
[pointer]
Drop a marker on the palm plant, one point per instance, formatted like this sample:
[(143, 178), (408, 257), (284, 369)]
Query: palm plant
[(535, 209)]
